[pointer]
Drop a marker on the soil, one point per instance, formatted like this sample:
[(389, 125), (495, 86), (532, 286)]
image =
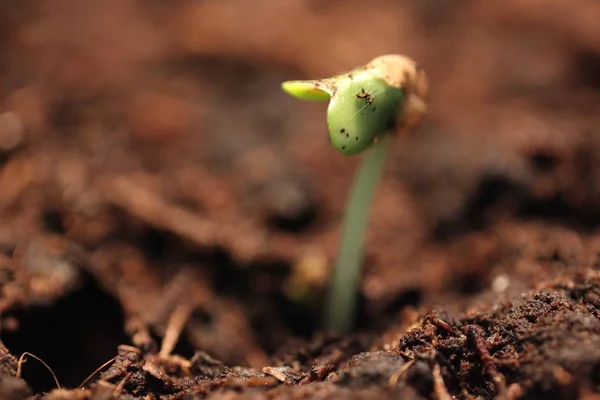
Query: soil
[(169, 216)]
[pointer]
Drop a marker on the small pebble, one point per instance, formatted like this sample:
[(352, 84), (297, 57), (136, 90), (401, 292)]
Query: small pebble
[(500, 283)]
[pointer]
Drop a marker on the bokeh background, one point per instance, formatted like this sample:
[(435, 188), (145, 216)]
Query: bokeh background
[(148, 158)]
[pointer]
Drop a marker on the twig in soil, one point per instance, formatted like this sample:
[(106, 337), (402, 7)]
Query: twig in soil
[(283, 374), (121, 384), (140, 334), (22, 361), (176, 323), (439, 386), (393, 381), (141, 202), (488, 363), (96, 371), (151, 208), (435, 320)]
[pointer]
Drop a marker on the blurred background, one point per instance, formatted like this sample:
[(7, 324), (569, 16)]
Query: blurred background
[(149, 158)]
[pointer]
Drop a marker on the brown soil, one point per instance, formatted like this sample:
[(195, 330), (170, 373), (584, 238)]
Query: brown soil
[(170, 215)]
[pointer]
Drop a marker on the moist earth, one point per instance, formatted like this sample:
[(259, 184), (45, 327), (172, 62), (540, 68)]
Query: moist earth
[(169, 217)]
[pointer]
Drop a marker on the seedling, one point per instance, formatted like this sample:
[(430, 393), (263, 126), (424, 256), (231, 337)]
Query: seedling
[(368, 107)]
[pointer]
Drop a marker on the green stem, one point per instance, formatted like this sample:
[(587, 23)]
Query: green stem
[(341, 311)]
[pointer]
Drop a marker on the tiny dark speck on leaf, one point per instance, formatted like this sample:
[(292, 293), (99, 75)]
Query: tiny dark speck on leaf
[(356, 138), (343, 147), (342, 130), (347, 135)]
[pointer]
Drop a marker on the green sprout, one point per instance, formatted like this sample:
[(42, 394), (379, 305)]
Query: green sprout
[(368, 106)]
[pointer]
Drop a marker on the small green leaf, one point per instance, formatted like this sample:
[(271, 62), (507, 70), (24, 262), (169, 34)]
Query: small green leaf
[(308, 90)]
